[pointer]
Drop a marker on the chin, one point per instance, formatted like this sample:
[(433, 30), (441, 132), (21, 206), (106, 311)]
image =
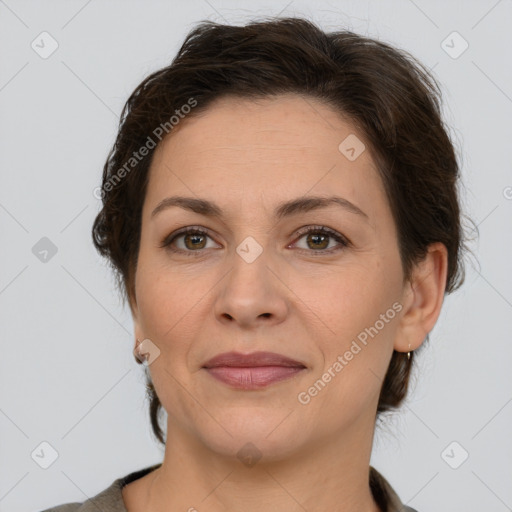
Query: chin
[(255, 433)]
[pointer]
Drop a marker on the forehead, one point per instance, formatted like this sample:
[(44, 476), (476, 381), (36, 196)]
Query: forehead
[(268, 122), (241, 150)]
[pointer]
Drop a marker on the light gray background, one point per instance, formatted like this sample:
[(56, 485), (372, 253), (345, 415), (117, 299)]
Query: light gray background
[(67, 373)]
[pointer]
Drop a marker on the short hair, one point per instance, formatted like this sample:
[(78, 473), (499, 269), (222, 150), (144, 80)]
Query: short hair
[(390, 97)]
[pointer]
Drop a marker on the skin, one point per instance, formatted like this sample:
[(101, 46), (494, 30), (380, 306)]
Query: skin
[(295, 298)]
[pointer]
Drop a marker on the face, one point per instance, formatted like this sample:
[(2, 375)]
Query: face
[(320, 285)]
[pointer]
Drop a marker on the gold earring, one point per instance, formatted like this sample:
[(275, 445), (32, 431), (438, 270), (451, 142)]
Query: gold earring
[(409, 353)]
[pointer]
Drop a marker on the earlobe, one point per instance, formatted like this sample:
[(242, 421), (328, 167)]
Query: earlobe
[(423, 299), (138, 335)]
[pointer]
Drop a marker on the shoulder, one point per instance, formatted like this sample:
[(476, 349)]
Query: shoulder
[(66, 507), (108, 500)]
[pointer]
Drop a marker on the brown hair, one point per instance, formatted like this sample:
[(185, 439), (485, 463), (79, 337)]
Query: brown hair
[(391, 98)]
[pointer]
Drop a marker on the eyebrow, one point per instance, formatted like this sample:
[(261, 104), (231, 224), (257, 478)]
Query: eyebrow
[(285, 209)]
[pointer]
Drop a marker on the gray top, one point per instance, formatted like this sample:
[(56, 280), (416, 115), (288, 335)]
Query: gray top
[(111, 499)]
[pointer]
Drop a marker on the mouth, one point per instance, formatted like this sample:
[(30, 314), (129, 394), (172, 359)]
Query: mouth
[(252, 371)]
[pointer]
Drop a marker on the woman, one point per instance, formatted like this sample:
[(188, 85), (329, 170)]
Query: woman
[(280, 208)]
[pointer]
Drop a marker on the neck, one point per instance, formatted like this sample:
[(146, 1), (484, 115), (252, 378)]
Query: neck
[(331, 474)]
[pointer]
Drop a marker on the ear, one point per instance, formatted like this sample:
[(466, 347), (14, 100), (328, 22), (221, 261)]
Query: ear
[(422, 299)]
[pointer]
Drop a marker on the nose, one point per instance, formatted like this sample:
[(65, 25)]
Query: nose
[(251, 294)]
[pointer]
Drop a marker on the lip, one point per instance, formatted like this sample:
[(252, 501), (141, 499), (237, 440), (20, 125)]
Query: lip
[(252, 371), (254, 359)]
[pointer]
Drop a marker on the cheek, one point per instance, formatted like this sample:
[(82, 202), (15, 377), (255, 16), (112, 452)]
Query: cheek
[(356, 344), (160, 304), (347, 299), (354, 319), (169, 306)]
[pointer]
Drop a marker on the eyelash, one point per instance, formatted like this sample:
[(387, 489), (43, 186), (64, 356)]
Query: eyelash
[(196, 230)]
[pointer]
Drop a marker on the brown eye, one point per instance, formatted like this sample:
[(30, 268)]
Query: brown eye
[(318, 239), (194, 241), (189, 240)]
